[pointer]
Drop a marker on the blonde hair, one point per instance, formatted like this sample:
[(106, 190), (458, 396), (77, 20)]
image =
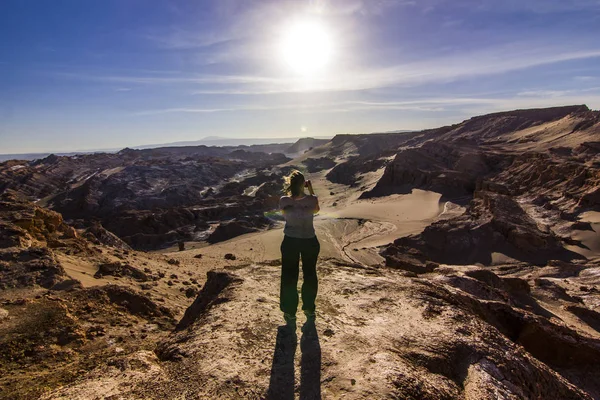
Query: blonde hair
[(293, 183)]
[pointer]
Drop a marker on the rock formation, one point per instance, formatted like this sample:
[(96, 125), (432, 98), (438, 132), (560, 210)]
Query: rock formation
[(492, 223), (495, 296)]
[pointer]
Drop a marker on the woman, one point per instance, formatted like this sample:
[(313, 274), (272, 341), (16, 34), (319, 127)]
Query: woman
[(299, 241)]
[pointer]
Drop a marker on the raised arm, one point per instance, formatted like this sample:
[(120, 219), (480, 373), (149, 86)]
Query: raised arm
[(312, 193), (317, 208), (308, 185)]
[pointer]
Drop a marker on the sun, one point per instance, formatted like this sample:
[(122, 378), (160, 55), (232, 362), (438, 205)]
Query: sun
[(307, 47)]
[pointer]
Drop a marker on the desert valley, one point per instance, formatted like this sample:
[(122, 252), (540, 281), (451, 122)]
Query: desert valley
[(461, 262)]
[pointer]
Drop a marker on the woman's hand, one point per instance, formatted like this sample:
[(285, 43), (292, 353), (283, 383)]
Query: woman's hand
[(308, 185)]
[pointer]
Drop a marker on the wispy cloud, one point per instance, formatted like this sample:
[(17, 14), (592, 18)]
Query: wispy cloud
[(468, 107), (534, 6), (455, 67), (185, 110), (433, 104), (556, 93), (545, 6), (345, 106), (362, 7), (248, 107), (180, 39), (218, 66), (174, 78)]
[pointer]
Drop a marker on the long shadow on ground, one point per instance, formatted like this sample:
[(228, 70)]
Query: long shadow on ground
[(281, 386), (310, 370)]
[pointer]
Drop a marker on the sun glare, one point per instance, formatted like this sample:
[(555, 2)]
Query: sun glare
[(306, 47)]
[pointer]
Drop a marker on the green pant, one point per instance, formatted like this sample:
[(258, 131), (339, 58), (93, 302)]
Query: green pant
[(291, 251)]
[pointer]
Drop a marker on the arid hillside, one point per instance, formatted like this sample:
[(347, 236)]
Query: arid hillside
[(456, 263)]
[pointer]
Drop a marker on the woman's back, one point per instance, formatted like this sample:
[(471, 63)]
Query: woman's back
[(299, 242), (299, 214)]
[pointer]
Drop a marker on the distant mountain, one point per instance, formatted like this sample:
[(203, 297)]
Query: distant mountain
[(224, 141), (213, 138), (37, 156), (256, 144)]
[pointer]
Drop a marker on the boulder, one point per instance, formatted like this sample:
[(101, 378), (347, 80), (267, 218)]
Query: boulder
[(120, 269), (230, 229), (29, 267), (216, 282), (67, 285), (493, 222)]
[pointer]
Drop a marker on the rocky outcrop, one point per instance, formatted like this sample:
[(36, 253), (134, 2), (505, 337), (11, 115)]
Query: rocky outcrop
[(68, 285), (372, 145), (27, 267), (489, 128), (521, 199), (99, 235), (152, 220), (262, 158), (456, 160), (147, 230), (27, 234), (230, 229), (588, 149), (119, 269), (568, 184), (492, 223), (450, 170), (319, 164), (12, 235), (348, 173), (148, 198), (21, 221), (211, 293), (56, 337), (134, 302), (143, 186)]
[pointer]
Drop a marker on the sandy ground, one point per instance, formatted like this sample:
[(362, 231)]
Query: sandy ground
[(552, 134), (590, 239), (348, 229), (82, 269)]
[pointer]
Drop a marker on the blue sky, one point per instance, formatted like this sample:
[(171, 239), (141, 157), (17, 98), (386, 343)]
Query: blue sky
[(87, 74)]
